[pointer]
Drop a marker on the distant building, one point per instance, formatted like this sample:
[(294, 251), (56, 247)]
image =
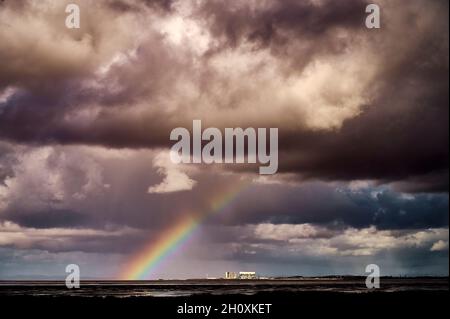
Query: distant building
[(231, 275), (243, 275), (247, 275)]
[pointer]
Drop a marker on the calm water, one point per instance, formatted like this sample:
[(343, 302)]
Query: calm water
[(212, 287)]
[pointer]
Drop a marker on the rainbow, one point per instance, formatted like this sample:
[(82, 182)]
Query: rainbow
[(146, 261)]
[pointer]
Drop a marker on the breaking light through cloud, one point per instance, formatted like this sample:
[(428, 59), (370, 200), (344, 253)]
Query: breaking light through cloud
[(86, 116)]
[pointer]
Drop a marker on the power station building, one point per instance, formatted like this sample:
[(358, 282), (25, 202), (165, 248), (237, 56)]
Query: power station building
[(231, 275), (247, 275)]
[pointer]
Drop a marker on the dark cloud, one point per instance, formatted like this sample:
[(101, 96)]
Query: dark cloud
[(165, 4), (79, 187), (386, 146), (47, 112)]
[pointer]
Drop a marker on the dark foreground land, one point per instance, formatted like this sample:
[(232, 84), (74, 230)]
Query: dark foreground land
[(287, 300)]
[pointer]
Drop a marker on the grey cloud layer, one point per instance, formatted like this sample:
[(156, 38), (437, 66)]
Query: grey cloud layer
[(96, 200)]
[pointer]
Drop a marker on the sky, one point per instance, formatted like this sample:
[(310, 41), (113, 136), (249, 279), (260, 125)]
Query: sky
[(86, 115)]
